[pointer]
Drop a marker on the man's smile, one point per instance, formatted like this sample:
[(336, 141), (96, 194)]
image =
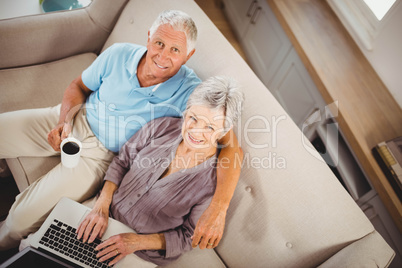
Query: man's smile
[(160, 66)]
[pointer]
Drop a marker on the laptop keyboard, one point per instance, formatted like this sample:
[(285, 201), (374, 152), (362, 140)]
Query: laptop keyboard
[(63, 239)]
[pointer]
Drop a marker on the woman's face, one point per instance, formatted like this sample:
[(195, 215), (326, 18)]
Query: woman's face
[(202, 127)]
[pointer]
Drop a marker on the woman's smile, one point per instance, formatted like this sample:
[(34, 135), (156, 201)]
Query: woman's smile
[(202, 127), (194, 140)]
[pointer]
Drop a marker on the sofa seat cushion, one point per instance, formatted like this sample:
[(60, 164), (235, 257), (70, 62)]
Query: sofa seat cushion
[(36, 87), (361, 252), (27, 170), (198, 258)]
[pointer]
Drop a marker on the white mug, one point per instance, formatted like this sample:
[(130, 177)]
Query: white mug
[(70, 152)]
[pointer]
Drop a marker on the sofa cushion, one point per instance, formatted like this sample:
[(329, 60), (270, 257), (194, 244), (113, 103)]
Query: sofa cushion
[(35, 87), (41, 38), (198, 258), (27, 170), (40, 85), (361, 252)]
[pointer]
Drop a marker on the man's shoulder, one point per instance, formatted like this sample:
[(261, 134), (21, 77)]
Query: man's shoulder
[(188, 73), (125, 48), (187, 78)]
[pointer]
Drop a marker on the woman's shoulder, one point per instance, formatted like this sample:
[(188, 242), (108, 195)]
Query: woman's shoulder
[(164, 125), (166, 121)]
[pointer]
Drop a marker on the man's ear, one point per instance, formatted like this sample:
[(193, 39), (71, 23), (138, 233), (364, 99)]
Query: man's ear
[(190, 54), (148, 37)]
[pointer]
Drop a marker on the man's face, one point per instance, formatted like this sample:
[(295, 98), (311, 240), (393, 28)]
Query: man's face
[(167, 52)]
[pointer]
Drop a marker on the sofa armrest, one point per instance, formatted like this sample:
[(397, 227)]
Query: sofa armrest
[(370, 251), (47, 37)]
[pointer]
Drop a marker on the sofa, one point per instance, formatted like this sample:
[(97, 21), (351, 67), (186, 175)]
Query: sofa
[(288, 210)]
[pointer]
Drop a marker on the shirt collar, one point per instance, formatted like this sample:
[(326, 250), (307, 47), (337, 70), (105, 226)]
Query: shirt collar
[(132, 64), (163, 90), (166, 89)]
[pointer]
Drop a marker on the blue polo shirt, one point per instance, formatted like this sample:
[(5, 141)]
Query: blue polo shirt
[(118, 106)]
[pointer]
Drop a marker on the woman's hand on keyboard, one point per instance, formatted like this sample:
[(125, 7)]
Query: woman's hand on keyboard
[(118, 246), (94, 224)]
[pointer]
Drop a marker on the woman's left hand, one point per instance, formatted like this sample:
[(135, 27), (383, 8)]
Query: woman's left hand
[(117, 247), (209, 229)]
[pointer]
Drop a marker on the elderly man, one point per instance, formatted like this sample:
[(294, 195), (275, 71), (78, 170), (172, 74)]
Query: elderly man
[(127, 86)]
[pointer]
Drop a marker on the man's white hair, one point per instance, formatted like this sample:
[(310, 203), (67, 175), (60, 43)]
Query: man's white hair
[(180, 21)]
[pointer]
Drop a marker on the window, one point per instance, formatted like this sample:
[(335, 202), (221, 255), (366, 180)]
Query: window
[(363, 18), (379, 7)]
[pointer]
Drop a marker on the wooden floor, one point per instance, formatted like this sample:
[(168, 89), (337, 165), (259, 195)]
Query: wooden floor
[(8, 192), (213, 9)]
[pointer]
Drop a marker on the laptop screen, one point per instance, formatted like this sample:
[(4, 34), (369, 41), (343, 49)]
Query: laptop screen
[(30, 257)]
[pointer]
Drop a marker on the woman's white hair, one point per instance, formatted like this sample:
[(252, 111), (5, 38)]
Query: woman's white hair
[(221, 93), (180, 21)]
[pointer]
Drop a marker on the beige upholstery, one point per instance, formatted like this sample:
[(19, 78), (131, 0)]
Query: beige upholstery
[(360, 254), (288, 210), (198, 258), (57, 35), (38, 86)]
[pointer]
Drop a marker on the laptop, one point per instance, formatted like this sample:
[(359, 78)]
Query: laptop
[(31, 257), (56, 238)]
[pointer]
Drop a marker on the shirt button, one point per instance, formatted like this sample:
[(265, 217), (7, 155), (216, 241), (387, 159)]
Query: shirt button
[(138, 195), (248, 189), (131, 203)]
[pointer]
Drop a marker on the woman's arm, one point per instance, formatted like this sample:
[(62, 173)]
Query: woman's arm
[(121, 245), (210, 226), (170, 244), (95, 223)]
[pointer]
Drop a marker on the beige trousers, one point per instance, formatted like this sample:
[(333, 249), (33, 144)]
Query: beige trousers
[(24, 133)]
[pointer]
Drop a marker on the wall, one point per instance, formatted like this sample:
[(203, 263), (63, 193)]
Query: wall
[(386, 56), (16, 8)]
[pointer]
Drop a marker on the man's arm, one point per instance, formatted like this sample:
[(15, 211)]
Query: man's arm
[(73, 98), (209, 229)]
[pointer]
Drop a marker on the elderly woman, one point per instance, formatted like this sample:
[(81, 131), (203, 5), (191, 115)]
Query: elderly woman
[(164, 178)]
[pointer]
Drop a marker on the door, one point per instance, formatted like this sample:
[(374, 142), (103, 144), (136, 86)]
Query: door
[(265, 43), (239, 13)]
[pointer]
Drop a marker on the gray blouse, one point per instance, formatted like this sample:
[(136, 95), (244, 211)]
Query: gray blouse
[(171, 205)]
